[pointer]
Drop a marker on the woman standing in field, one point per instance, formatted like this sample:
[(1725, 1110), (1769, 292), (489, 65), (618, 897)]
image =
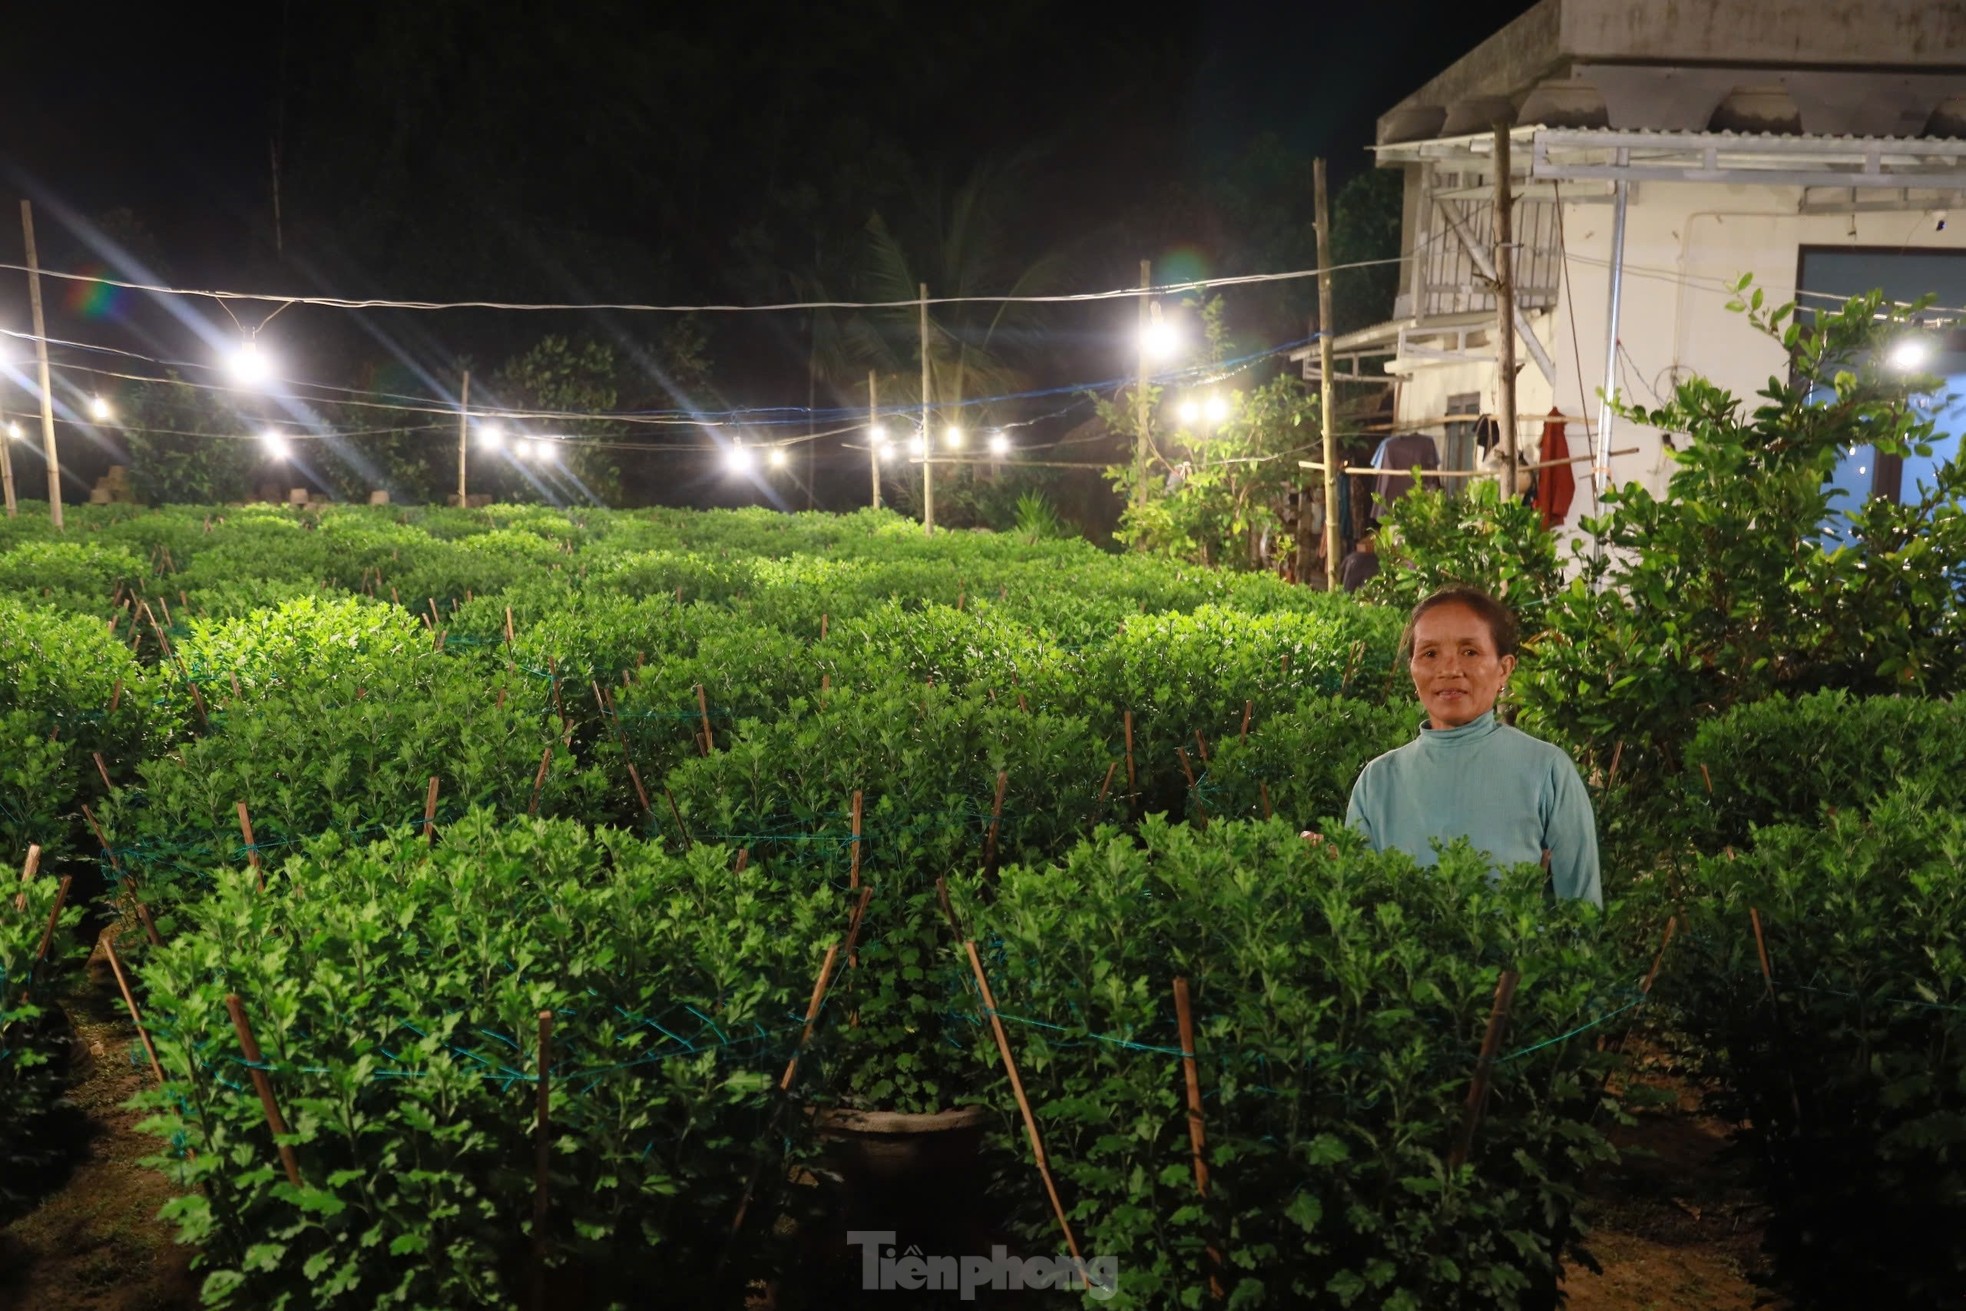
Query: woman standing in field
[(1513, 796)]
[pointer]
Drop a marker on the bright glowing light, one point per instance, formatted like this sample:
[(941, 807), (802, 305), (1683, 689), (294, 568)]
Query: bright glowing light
[(884, 451), (1217, 409), (98, 408), (921, 444), (251, 365), (877, 434), (491, 437), (1910, 354), (533, 448), (1189, 411), (1160, 339), (13, 431), (999, 445), (777, 457), (738, 459), (275, 444), (953, 439)]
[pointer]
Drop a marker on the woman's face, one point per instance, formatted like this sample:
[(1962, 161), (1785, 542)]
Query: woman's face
[(1454, 666)]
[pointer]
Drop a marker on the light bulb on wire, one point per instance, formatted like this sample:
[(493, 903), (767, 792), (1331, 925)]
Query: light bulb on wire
[(1910, 355), (98, 409), (1217, 409), (738, 459), (777, 457), (491, 437), (953, 438), (275, 444), (1189, 411), (999, 445), (14, 431), (250, 365), (1160, 338)]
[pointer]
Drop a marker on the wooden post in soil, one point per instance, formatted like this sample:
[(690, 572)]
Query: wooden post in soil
[(27, 872), (252, 847), (675, 813), (274, 1120), (129, 1000), (542, 1163), (703, 708), (996, 820), (102, 770), (1132, 783), (430, 813), (824, 982), (1201, 816), (1107, 785), (853, 870), (1201, 746), (539, 779), (115, 696), (54, 922), (1197, 1132), (129, 883), (1023, 1102), (948, 907), (1477, 1102)]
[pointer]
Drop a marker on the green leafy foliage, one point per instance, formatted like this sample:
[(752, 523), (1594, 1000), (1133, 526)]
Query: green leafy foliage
[(1850, 1072), (1429, 540), (33, 1031), (1339, 998), (395, 992)]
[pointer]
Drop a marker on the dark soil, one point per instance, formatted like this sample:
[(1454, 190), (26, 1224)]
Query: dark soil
[(94, 1242)]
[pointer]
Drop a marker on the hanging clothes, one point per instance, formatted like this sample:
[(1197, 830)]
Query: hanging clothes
[(1398, 458), (1556, 485), (1487, 433)]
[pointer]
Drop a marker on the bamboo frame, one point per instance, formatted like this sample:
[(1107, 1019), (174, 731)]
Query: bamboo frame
[(1477, 1101), (263, 1085)]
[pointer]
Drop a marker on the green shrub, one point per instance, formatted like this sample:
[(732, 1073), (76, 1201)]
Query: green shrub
[(69, 575), (395, 993), (33, 1032), (1340, 998), (1851, 1075)]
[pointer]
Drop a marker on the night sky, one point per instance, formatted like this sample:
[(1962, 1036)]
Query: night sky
[(682, 154)]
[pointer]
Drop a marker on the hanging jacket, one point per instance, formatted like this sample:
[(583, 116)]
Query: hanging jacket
[(1556, 485)]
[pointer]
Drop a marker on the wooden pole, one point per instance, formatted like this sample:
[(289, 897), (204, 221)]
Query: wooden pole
[(996, 819), (1201, 818), (1327, 389), (463, 434), (102, 770), (1107, 785), (853, 873), (928, 438), (7, 477), (1477, 1102), (129, 1000), (1248, 709), (430, 812), (1505, 306), (542, 1162), (1141, 414), (1132, 784), (812, 1014), (873, 429), (129, 883), (252, 847), (1023, 1102), (263, 1085), (54, 918), (27, 872), (41, 365), (1197, 1132), (703, 708), (539, 779)]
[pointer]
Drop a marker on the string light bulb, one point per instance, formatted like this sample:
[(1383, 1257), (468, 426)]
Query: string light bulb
[(999, 445), (738, 459), (275, 444), (491, 437), (1217, 409), (14, 431), (98, 408), (1910, 355), (250, 365), (953, 438), (777, 457)]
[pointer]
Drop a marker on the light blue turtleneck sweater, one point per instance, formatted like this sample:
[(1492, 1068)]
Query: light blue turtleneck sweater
[(1508, 793)]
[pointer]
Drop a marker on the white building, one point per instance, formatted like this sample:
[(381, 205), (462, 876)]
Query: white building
[(1660, 149)]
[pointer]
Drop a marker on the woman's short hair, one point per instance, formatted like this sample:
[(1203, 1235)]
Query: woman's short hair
[(1500, 619)]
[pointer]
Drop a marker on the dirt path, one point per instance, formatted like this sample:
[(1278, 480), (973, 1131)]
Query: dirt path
[(1677, 1224), (94, 1243)]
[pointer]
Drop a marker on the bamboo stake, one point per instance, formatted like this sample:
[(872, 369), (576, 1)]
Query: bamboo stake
[(1263, 791), (822, 625), (237, 695), (102, 770), (853, 872), (198, 700), (430, 813), (948, 907), (1106, 786), (1248, 709), (819, 986), (996, 819), (1672, 925), (1023, 1102), (252, 847), (1706, 778), (703, 707), (1201, 816), (743, 859), (123, 984), (1201, 746), (129, 883), (263, 1085), (539, 779), (1617, 754), (115, 696), (641, 793), (1132, 785), (1477, 1102), (27, 873), (54, 920), (542, 1163), (508, 625), (676, 813), (1197, 1133)]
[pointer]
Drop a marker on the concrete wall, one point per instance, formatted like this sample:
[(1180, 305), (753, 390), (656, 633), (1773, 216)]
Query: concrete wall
[(1824, 33), (1685, 245)]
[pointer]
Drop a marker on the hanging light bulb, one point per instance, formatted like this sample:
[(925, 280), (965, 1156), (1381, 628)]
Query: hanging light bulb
[(98, 408), (1217, 408), (999, 445), (738, 459), (275, 444), (777, 457), (491, 437), (250, 365)]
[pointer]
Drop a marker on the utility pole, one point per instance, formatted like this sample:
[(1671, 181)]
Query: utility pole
[(7, 469), (1326, 390), (41, 359), (1505, 305), (928, 438), (463, 434), (1140, 390), (873, 446)]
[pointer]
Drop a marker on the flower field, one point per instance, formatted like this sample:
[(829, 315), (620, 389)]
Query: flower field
[(509, 895)]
